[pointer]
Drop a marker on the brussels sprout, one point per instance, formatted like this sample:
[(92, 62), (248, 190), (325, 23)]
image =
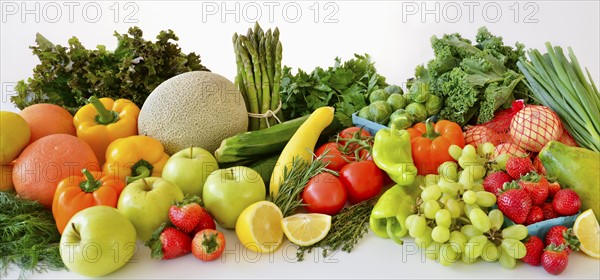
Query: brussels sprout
[(401, 112), (378, 95), (417, 110), (391, 89), (419, 91), (401, 122), (364, 113), (380, 111), (407, 98), (433, 105), (397, 101)]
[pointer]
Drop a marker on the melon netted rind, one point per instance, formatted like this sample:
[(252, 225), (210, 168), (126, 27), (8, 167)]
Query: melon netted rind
[(196, 108)]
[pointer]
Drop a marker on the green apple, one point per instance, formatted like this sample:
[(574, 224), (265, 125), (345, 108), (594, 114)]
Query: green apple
[(97, 241), (146, 202), (227, 192), (189, 168)]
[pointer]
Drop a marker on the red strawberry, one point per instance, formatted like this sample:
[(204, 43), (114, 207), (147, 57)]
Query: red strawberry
[(168, 243), (536, 214), (536, 186), (493, 183), (548, 210), (555, 259), (561, 235), (185, 214), (515, 204), (518, 166), (206, 222), (553, 188), (566, 202), (534, 247)]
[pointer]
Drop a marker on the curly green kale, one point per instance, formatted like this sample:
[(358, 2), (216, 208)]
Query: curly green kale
[(68, 76), (462, 71), (498, 95), (345, 86)]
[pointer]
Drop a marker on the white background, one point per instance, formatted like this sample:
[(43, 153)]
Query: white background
[(396, 35)]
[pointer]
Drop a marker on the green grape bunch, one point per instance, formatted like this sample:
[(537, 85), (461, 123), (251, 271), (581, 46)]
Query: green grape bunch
[(454, 218)]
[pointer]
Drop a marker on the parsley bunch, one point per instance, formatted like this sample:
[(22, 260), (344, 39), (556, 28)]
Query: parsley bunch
[(345, 86)]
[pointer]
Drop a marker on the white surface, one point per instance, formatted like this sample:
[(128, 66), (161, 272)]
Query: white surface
[(372, 258), (396, 44)]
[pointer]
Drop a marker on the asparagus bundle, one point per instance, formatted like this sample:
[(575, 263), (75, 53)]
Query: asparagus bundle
[(258, 57)]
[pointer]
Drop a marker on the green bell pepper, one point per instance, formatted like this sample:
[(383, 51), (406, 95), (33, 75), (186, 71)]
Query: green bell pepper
[(390, 212), (392, 153)]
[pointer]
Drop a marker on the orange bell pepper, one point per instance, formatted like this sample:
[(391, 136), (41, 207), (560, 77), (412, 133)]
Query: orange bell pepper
[(135, 157), (79, 192), (430, 143), (104, 120)]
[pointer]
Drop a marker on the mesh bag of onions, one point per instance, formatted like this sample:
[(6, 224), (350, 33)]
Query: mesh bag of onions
[(520, 130)]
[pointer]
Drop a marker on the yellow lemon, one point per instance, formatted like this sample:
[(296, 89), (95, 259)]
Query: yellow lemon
[(259, 227), (306, 229), (14, 136), (587, 229)]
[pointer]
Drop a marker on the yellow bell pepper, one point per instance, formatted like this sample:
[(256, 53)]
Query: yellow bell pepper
[(135, 157), (104, 120)]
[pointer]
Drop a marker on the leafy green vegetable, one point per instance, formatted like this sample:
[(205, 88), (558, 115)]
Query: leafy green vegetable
[(345, 86), (562, 86), (68, 76), (462, 71), (29, 238)]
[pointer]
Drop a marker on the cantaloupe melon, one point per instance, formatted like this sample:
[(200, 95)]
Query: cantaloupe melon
[(196, 108)]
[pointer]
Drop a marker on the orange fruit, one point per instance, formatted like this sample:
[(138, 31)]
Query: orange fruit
[(46, 119), (48, 160)]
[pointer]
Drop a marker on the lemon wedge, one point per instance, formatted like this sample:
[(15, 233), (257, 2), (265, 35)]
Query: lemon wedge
[(587, 229), (306, 229)]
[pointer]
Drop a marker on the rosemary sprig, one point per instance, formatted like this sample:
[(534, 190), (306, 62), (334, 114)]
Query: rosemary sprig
[(295, 179), (347, 228), (29, 238)]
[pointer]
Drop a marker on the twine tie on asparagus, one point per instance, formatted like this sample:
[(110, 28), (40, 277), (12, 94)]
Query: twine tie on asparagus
[(266, 115)]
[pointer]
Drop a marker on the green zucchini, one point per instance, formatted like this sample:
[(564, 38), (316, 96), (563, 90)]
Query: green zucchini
[(247, 147), (264, 167)]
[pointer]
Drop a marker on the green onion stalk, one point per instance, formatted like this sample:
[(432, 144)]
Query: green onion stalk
[(562, 86)]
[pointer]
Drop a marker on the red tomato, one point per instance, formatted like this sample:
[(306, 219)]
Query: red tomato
[(335, 158), (324, 194), (351, 131), (358, 134), (362, 180), (208, 244)]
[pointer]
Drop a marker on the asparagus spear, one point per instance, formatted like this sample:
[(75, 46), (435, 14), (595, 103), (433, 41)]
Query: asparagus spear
[(258, 33), (240, 84), (269, 49), (248, 42), (250, 82), (266, 86), (277, 79)]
